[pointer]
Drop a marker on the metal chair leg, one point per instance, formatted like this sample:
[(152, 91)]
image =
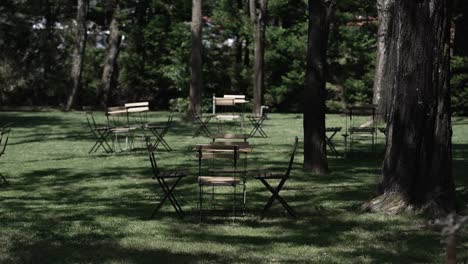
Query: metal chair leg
[(168, 195), (4, 180), (276, 196), (200, 193)]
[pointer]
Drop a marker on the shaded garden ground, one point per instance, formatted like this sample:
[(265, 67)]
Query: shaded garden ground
[(64, 206)]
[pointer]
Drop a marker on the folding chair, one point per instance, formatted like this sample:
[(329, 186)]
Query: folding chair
[(119, 123), (4, 135), (159, 131), (202, 124), (219, 177), (328, 138), (137, 113), (265, 176), (257, 122), (162, 177), (100, 133), (355, 129)]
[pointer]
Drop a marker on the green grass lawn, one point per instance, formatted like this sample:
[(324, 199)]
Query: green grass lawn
[(63, 205)]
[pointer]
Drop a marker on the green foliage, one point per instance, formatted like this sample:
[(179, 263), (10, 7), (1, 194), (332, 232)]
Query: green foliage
[(334, 102), (92, 72), (155, 54), (459, 85), (179, 105), (34, 51), (285, 67), (352, 50)]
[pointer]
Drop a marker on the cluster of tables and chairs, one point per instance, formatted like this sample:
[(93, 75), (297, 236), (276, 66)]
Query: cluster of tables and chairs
[(126, 123), (230, 108), (223, 165), (222, 160), (4, 136), (361, 123)]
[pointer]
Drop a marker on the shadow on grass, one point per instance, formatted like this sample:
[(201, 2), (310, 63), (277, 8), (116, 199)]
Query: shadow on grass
[(96, 208)]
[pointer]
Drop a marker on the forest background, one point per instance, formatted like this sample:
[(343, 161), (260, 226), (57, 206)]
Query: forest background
[(36, 45)]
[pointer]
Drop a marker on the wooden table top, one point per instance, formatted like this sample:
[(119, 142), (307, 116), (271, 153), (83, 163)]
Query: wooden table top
[(244, 147)]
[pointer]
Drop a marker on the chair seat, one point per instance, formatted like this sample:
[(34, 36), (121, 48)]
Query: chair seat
[(362, 130), (226, 170), (155, 125), (269, 175), (101, 128), (333, 129), (227, 117), (218, 180), (120, 129), (172, 174), (230, 136)]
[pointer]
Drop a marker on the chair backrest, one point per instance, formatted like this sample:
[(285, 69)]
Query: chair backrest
[(264, 110), (137, 112), (117, 115), (138, 107), (4, 135), (169, 121), (137, 104), (234, 96), (90, 119), (152, 157), (224, 101), (362, 110), (116, 110), (217, 152), (291, 160)]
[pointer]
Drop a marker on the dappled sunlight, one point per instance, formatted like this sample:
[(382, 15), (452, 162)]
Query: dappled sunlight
[(62, 205)]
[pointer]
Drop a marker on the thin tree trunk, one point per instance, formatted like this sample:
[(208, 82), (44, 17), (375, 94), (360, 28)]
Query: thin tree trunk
[(384, 71), (451, 249), (46, 57), (417, 169), (78, 51), (315, 158), (246, 60), (110, 61), (259, 25), (196, 61)]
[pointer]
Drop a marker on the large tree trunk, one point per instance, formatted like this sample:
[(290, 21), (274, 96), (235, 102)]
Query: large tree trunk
[(384, 71), (78, 51), (196, 63), (417, 169), (259, 25), (110, 62), (315, 158)]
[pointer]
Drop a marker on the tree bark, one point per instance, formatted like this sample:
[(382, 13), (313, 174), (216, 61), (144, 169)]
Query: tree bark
[(315, 158), (196, 62), (384, 71), (110, 62), (78, 51), (417, 168), (259, 25)]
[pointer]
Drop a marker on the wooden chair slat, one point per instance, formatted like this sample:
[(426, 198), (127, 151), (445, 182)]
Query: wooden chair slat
[(137, 104)]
